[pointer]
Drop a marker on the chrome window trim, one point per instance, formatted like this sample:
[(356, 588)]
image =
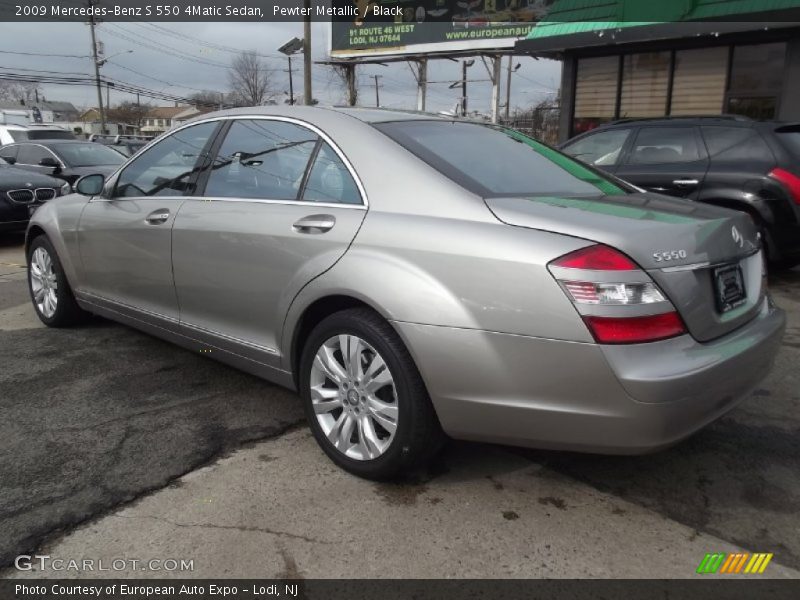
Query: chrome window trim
[(362, 191), (269, 201), (60, 162)]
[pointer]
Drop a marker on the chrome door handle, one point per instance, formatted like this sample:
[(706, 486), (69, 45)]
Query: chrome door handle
[(157, 217), (685, 182), (314, 224)]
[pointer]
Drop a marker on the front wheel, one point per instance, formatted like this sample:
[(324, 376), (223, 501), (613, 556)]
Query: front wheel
[(365, 400), (50, 292)]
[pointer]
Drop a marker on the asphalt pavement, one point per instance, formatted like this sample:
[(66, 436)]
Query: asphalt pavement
[(115, 444)]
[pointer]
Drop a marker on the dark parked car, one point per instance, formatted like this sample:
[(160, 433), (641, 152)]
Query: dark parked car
[(65, 159), (728, 161), (22, 192)]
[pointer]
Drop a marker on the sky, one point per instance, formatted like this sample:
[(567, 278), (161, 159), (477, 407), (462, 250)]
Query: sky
[(154, 64)]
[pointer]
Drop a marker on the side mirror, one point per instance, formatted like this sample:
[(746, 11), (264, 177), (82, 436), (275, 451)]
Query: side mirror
[(90, 185), (49, 161)]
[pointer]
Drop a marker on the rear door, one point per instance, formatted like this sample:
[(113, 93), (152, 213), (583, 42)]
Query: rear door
[(280, 206), (668, 159)]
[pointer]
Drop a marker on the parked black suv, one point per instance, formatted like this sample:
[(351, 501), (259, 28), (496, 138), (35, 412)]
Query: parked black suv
[(728, 161)]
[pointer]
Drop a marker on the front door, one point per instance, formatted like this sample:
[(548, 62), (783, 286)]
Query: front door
[(668, 160), (279, 208), (125, 236)]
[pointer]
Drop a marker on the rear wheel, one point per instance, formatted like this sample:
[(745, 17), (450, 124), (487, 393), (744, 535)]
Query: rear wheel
[(50, 292), (364, 398)]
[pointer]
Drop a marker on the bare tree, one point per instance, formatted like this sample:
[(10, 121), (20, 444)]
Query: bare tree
[(15, 91), (208, 98), (346, 74), (129, 112), (249, 79)]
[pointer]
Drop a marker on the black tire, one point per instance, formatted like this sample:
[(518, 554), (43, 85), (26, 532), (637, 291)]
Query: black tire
[(67, 311), (418, 436)]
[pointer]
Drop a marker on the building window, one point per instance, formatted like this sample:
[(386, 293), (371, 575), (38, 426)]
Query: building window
[(698, 85), (645, 80), (756, 80), (595, 92)]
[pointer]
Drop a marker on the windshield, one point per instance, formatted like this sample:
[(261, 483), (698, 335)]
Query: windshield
[(790, 138), (88, 154), (495, 161)]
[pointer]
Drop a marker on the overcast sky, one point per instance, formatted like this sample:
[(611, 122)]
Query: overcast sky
[(158, 67)]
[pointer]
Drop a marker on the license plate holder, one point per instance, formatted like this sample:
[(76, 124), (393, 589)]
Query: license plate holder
[(729, 290)]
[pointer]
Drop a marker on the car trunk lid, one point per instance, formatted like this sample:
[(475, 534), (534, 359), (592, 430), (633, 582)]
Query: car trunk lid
[(683, 246)]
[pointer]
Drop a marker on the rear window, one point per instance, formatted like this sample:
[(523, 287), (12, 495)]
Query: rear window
[(49, 134), (789, 137), (494, 161)]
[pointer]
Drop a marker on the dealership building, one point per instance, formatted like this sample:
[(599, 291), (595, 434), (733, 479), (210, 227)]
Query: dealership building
[(627, 59)]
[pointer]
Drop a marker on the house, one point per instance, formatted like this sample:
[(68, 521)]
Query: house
[(632, 59), (44, 111), (163, 118)]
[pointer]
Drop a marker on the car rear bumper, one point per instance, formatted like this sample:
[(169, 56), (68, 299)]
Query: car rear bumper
[(576, 396)]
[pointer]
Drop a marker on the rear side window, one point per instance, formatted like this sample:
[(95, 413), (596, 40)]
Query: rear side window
[(492, 161), (261, 159), (735, 144), (329, 180), (664, 145), (18, 135), (602, 148), (789, 137)]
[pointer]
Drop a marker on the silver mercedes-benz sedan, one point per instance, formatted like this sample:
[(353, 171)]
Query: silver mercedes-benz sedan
[(414, 276)]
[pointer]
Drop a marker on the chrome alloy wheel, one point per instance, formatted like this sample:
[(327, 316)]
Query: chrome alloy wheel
[(44, 284), (354, 397)]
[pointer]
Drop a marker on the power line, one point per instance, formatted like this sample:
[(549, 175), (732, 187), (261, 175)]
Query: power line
[(40, 54)]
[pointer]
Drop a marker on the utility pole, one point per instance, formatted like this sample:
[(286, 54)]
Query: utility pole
[(307, 95), (464, 65), (97, 69), (291, 83), (508, 85), (377, 93)]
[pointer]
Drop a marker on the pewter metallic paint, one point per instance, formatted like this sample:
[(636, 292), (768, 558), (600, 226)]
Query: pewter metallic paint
[(463, 280)]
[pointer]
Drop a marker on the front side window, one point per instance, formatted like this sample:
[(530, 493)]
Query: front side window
[(329, 180), (261, 159), (662, 145), (602, 148), (492, 161), (32, 155), (9, 152), (167, 167)]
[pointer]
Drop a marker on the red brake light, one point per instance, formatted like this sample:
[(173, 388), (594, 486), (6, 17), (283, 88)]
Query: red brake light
[(634, 330), (596, 258), (791, 181)]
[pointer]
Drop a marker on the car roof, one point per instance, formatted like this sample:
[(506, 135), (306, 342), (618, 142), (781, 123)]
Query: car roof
[(318, 113)]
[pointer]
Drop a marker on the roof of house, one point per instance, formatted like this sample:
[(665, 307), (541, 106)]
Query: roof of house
[(165, 112), (55, 106)]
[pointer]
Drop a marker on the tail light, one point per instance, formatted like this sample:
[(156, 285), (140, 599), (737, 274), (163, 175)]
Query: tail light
[(588, 276), (790, 181)]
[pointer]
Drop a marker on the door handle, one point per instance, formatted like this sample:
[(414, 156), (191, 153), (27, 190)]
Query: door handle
[(314, 224), (157, 217), (686, 182)]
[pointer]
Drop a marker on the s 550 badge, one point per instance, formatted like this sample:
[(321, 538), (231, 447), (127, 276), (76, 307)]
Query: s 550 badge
[(668, 255)]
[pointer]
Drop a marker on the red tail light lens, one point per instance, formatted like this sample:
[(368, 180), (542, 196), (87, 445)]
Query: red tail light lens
[(596, 258), (790, 181), (634, 330)]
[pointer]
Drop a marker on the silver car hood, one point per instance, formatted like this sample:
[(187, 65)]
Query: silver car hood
[(644, 225)]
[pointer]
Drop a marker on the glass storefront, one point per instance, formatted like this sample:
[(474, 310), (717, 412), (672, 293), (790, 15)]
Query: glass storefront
[(682, 82)]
